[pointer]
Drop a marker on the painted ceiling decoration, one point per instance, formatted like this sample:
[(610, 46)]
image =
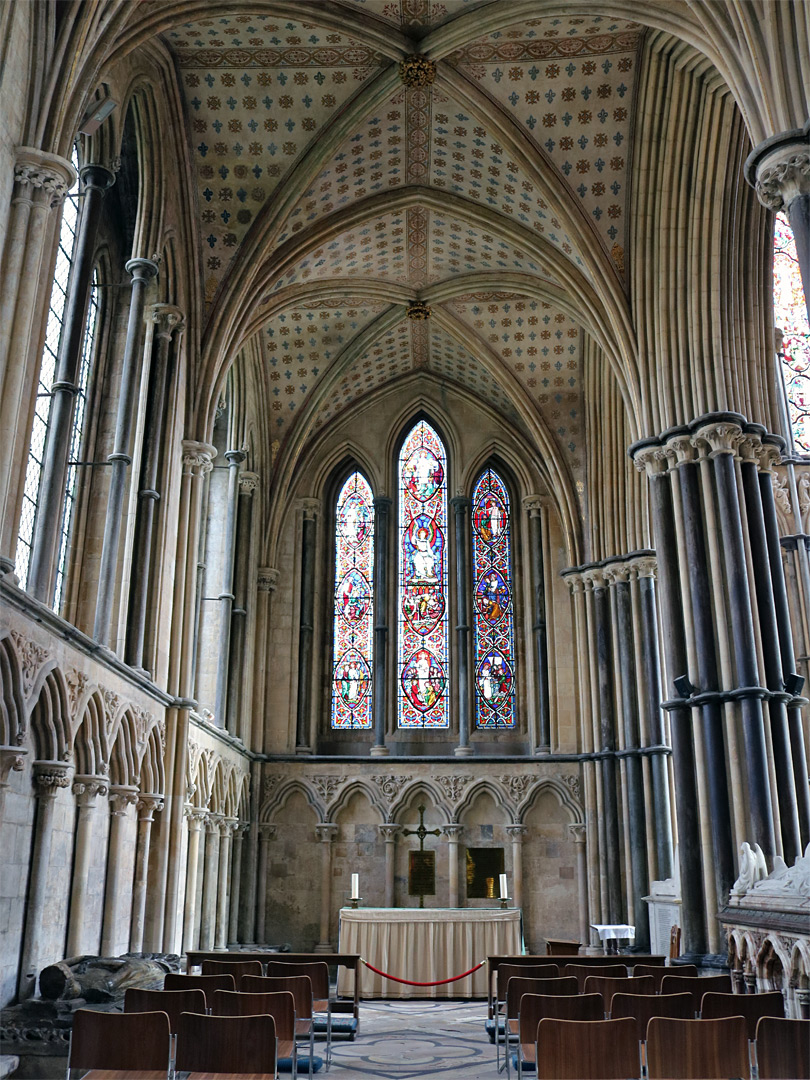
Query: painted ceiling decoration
[(506, 163)]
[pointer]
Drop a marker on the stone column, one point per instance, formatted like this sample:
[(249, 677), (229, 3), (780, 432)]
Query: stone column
[(653, 460), (47, 531), (41, 181), (223, 883), (142, 270), (196, 821), (210, 881), (240, 828), (266, 586), (146, 807), (389, 833), (516, 833), (326, 832), (234, 459), (382, 511), (247, 485), (578, 834), (122, 796), (267, 833), (86, 789), (306, 624), (49, 777), (779, 168), (533, 505), (461, 506), (168, 320), (452, 832)]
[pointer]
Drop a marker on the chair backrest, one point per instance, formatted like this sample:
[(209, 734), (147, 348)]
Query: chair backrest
[(582, 971), (520, 971), (318, 974), (518, 986), (697, 986), (555, 947), (172, 1002), (642, 1007), (207, 983), (688, 1049), (608, 986), (783, 1049), (237, 968), (537, 1007), (136, 1041), (751, 1006), (279, 1005), (603, 1049), (226, 1044), (300, 986), (686, 971)]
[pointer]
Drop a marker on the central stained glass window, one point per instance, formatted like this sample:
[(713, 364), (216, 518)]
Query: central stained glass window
[(354, 607), (423, 630), (494, 640)]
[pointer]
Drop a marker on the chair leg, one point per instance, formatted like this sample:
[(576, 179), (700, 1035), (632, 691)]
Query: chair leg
[(506, 1044), (311, 1046)]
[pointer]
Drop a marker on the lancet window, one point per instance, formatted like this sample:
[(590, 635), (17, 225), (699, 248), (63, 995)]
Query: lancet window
[(790, 316)]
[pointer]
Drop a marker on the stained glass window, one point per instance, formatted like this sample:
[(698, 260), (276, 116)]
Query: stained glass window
[(423, 630), (790, 316), (493, 632), (354, 607), (47, 374)]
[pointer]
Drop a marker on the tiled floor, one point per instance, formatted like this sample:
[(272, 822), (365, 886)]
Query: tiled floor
[(409, 1039)]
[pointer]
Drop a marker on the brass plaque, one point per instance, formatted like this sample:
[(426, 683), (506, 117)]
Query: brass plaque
[(421, 873), (484, 866)]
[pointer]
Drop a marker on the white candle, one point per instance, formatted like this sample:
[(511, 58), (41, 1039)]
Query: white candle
[(355, 887), (504, 892)]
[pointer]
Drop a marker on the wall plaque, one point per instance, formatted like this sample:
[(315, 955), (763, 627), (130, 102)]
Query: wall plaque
[(422, 873)]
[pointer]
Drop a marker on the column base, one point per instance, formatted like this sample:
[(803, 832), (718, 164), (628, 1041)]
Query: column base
[(303, 751), (463, 751), (379, 751), (323, 947), (543, 750), (6, 565)]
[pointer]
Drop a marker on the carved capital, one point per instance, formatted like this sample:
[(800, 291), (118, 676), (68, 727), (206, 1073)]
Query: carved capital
[(167, 318), (122, 796), (37, 172), (267, 832), (310, 508), (517, 832), (198, 457), (578, 833), (617, 573), (326, 831), (195, 816), (768, 457), (784, 175), (87, 788), (49, 776), (645, 566), (573, 579), (534, 505), (248, 482), (389, 832), (227, 826), (416, 71), (594, 577), (452, 831), (212, 824), (268, 578), (721, 438), (748, 447), (681, 450), (148, 805), (651, 459)]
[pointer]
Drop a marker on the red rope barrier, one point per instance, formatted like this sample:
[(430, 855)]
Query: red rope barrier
[(410, 982)]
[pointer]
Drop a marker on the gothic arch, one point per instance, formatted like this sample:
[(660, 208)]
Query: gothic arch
[(124, 753), (773, 964), (563, 794), (219, 787), (277, 800), (479, 787), (347, 793), (12, 706), (50, 719), (90, 743), (152, 777), (409, 792)]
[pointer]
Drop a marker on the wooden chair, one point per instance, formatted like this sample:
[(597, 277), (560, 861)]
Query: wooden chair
[(642, 1007), (691, 1049), (607, 986), (596, 1049), (582, 971), (516, 988), (207, 983), (300, 986), (209, 1047), (521, 971), (237, 968), (697, 986), (321, 1000), (555, 947), (537, 1007), (131, 1045), (686, 971), (783, 1049), (281, 1006), (752, 1006), (172, 1002)]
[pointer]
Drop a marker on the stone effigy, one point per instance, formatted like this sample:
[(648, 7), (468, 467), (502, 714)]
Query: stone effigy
[(99, 979)]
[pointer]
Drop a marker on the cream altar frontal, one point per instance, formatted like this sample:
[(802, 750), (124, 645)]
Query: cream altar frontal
[(426, 945)]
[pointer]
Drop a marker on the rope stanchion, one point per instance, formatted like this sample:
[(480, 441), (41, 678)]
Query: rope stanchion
[(412, 982)]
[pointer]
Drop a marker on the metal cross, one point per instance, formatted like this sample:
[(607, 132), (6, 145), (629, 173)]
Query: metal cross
[(421, 832)]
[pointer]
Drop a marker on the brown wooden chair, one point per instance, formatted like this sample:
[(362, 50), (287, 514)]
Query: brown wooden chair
[(596, 1049), (207, 983), (697, 986), (691, 1049), (281, 1006), (209, 1047), (300, 986), (318, 973), (752, 1006), (607, 986), (537, 1007), (582, 971), (686, 971), (172, 1002), (237, 968), (516, 987), (135, 1045), (556, 947), (520, 971), (783, 1049), (642, 1007)]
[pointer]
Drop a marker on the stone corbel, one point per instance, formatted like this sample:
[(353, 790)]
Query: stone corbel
[(248, 482), (12, 759), (268, 579), (326, 831)]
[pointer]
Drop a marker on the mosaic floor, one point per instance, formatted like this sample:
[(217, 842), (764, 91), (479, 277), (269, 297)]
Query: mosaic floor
[(408, 1039)]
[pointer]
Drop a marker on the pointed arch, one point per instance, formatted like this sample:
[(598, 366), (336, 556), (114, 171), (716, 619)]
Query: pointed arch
[(152, 777), (477, 788), (12, 704), (124, 764), (89, 742), (50, 719), (277, 800), (560, 791)]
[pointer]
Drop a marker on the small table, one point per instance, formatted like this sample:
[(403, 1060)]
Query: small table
[(611, 933)]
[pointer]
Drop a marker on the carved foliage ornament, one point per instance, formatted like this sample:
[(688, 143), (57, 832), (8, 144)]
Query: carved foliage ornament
[(77, 683), (517, 786), (390, 786), (572, 782), (327, 786), (32, 657), (418, 310), (779, 184), (453, 786), (28, 174), (417, 71)]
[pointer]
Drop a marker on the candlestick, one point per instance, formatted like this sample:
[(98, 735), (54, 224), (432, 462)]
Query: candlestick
[(504, 890), (355, 887)]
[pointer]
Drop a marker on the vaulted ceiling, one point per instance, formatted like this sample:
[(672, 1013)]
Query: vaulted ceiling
[(330, 193)]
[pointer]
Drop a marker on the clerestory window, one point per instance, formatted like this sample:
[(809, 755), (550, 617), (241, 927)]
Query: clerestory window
[(790, 316)]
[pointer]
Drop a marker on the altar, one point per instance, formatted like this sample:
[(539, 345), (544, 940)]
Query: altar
[(425, 944)]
